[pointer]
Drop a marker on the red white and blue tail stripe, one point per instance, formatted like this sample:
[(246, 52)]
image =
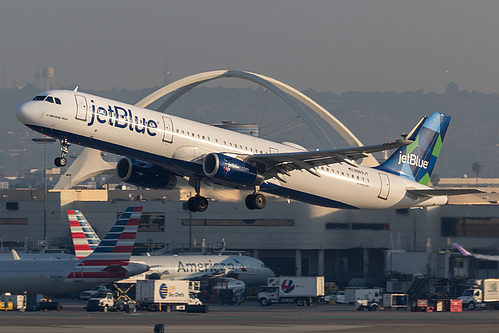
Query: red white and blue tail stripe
[(85, 240), (110, 260), (117, 246)]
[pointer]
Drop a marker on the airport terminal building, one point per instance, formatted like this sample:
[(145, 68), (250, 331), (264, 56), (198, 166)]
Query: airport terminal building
[(291, 237)]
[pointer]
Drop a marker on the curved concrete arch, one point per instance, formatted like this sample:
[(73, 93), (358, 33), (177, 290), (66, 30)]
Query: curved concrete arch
[(281, 89)]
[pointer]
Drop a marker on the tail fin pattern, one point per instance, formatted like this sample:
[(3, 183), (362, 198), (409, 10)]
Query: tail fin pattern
[(116, 248), (417, 160), (85, 240)]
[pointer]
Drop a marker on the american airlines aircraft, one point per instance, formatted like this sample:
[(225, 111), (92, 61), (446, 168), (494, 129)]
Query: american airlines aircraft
[(158, 148), (109, 262), (229, 268)]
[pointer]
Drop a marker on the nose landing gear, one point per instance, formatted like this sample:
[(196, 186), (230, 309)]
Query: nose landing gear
[(61, 161)]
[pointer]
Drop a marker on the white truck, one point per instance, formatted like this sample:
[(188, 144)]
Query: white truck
[(101, 301), (169, 295), (302, 290), (369, 299), (485, 293)]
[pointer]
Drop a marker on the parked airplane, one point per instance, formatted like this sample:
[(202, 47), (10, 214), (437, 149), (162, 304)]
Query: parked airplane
[(160, 147), (109, 262), (474, 255), (229, 268)]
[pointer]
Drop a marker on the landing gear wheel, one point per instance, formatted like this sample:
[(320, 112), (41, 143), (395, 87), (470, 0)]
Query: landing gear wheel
[(259, 200), (60, 161), (249, 202), (255, 201), (197, 204)]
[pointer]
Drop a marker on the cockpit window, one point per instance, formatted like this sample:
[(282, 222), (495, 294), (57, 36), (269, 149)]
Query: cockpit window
[(49, 99)]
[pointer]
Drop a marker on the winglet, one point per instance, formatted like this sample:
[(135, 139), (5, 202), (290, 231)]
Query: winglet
[(463, 251), (15, 255)]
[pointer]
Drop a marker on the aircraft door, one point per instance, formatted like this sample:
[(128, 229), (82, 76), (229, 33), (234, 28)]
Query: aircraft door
[(81, 107), (384, 186), (168, 130), (78, 273), (250, 269)]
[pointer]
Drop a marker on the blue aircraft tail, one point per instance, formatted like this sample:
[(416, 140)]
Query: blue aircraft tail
[(417, 160)]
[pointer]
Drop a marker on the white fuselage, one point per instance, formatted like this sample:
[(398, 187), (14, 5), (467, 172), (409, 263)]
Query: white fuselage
[(177, 144), (57, 277), (251, 271)]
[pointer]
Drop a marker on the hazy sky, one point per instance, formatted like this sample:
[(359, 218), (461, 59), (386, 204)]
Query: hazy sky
[(386, 45)]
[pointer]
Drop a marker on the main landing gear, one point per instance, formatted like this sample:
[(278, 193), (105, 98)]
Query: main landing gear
[(61, 161), (255, 200), (197, 203)]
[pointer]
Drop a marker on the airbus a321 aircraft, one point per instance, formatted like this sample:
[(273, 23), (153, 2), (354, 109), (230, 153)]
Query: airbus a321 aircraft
[(206, 268), (109, 262), (158, 148)]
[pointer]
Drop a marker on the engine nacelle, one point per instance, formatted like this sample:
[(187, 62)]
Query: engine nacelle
[(231, 170), (145, 174)]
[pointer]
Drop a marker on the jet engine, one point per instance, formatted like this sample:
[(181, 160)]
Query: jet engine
[(231, 170), (145, 174)]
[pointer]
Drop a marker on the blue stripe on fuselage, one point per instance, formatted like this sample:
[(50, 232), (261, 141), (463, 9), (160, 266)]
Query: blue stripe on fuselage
[(184, 168)]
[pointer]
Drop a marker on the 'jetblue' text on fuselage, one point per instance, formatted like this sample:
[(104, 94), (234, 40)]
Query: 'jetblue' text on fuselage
[(119, 117)]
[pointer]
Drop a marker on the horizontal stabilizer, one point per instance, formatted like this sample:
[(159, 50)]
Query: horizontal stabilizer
[(438, 192)]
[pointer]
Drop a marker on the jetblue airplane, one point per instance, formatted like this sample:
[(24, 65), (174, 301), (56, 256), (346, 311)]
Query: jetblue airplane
[(158, 148), (109, 262), (233, 270)]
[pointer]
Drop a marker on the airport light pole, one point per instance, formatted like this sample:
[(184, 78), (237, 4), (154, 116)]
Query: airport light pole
[(44, 141)]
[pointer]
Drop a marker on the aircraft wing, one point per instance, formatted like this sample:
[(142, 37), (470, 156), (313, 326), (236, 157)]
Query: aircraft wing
[(478, 256), (282, 163), (438, 192)]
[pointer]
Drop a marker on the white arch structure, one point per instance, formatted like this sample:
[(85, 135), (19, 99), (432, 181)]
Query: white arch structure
[(91, 164)]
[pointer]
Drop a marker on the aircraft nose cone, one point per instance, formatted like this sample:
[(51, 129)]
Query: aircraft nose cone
[(137, 268), (24, 112)]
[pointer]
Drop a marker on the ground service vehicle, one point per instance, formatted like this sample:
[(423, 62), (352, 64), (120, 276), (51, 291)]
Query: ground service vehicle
[(353, 294), (395, 301), (169, 295), (302, 290), (12, 302), (484, 294), (369, 299), (88, 294), (102, 301)]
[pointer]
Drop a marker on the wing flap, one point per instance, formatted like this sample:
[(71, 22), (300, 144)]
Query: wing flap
[(438, 192)]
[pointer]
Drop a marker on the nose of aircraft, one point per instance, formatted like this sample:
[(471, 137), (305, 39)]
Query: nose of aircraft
[(24, 112), (136, 268)]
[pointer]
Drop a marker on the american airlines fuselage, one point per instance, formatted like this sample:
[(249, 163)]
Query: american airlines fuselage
[(251, 271), (58, 277), (179, 146)]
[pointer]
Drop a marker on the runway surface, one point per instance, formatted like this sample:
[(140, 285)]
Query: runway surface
[(250, 317)]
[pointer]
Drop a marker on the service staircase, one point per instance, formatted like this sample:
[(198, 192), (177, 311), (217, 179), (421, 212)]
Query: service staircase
[(417, 288)]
